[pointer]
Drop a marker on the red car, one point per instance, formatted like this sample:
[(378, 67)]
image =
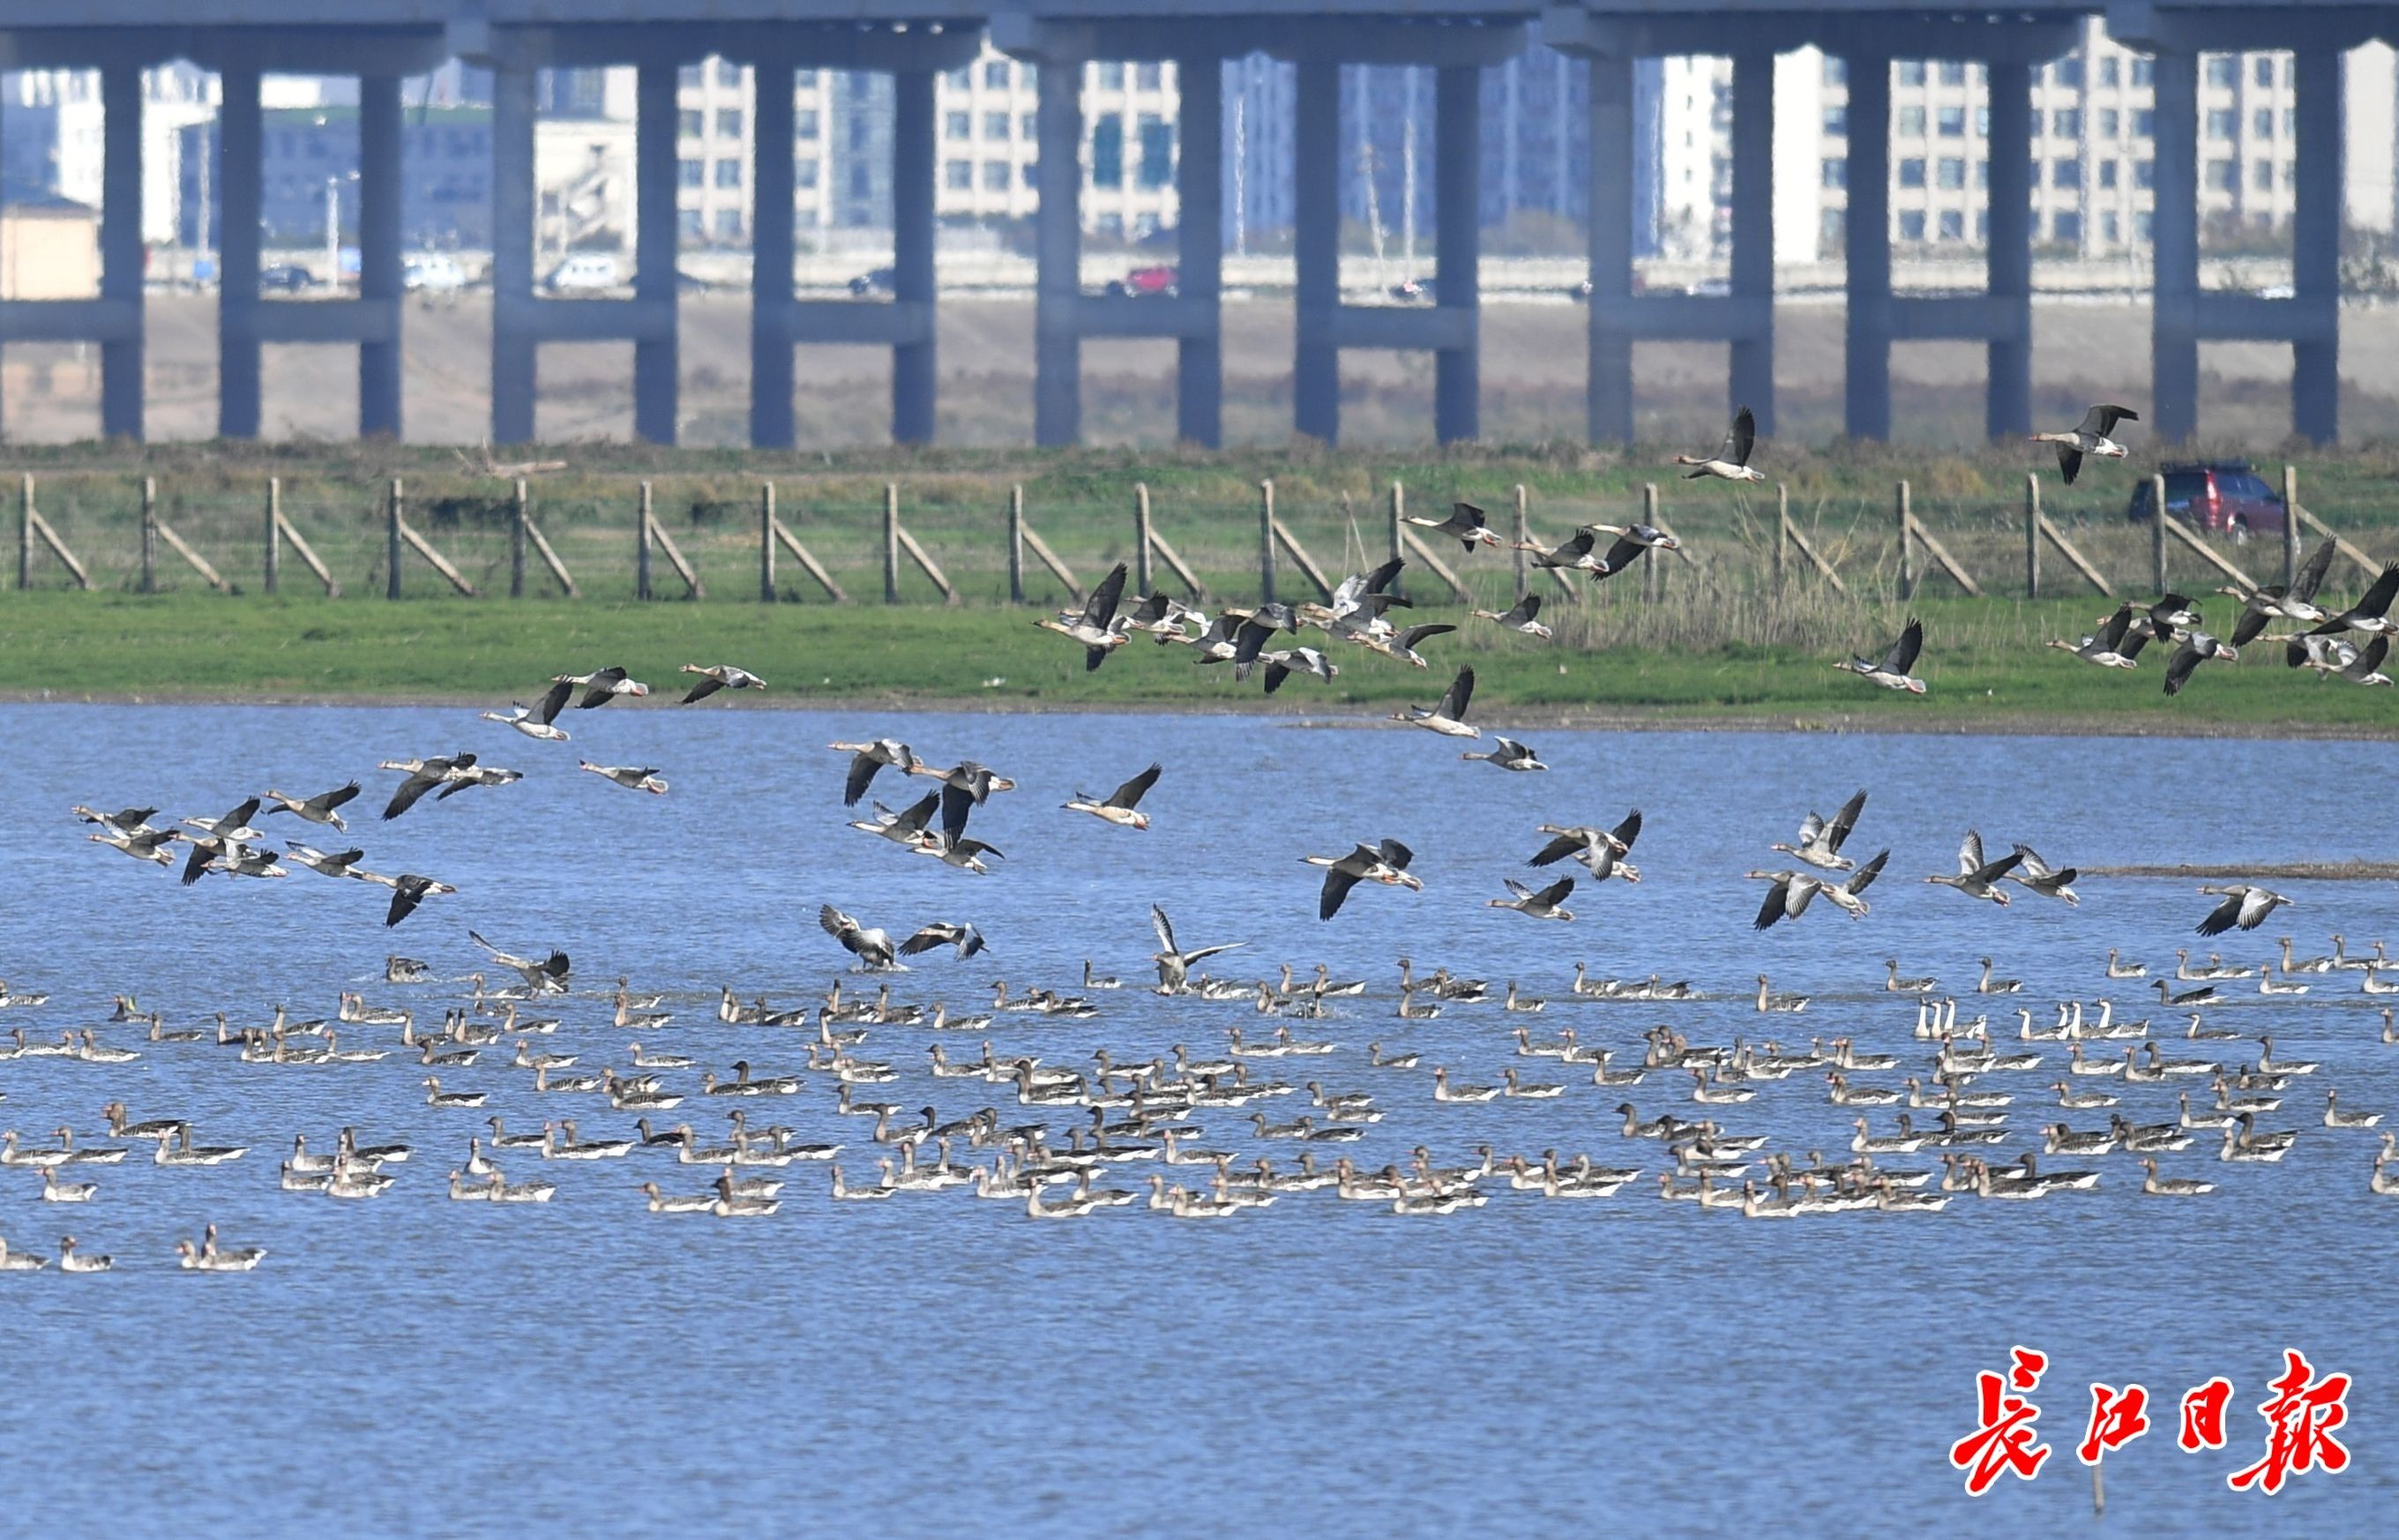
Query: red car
[(1144, 283), (2228, 498)]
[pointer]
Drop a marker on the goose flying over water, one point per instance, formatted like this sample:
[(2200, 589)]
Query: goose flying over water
[(1523, 618), (1401, 646), (1466, 524), (1821, 840), (2371, 614), (423, 776), (324, 808), (719, 676), (142, 844), (1602, 850), (965, 938), (1730, 463), (234, 826), (1121, 806), (2116, 644), (599, 687), (1546, 904), (1173, 963), (2244, 906), (632, 777), (874, 949), (124, 822), (2088, 437), (1284, 662), (1508, 754), (1892, 670), (2277, 601), (1386, 862), (868, 758), (1448, 714), (408, 891), (337, 864), (1977, 878), (530, 721), (2038, 875), (1095, 625), (547, 975), (907, 826), (2197, 648)]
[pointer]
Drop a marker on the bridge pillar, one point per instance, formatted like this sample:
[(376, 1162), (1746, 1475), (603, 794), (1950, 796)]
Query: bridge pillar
[(656, 238), (1058, 242), (1458, 145), (2007, 409), (1316, 251), (1867, 386), (1200, 238), (1753, 232), (514, 346), (1609, 388), (380, 282), (2174, 316), (240, 152), (121, 249), (2315, 352), (914, 279), (772, 372)]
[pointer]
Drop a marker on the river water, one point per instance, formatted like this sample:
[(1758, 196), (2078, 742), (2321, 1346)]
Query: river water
[(935, 1365)]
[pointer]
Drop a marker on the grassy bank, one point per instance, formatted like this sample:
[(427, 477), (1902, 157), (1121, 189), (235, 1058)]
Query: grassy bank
[(1984, 660)]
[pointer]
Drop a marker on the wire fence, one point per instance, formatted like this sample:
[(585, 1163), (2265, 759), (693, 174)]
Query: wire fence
[(705, 539)]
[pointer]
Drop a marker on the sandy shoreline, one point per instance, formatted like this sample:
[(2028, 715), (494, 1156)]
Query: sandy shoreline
[(1299, 714)]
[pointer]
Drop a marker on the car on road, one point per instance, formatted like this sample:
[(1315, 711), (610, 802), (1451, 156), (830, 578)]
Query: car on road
[(1157, 282), (882, 280), (582, 273), (285, 278), (432, 273), (2220, 497)]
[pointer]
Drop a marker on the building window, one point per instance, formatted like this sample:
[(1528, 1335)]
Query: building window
[(2261, 176), (2108, 228), (2290, 121), (728, 74), (1111, 76), (728, 123), (804, 175), (1030, 128), (1029, 173), (2065, 226), (2144, 225), (1107, 150), (995, 75), (1953, 224), (2145, 123), (2265, 70), (1837, 122), (994, 176), (958, 126), (1952, 172), (2223, 70), (1834, 223), (728, 224), (2107, 70), (1837, 173), (687, 223), (805, 80), (1150, 76), (994, 125), (2261, 122), (1911, 173), (689, 175), (1981, 224), (689, 77), (1911, 122), (2110, 124), (1953, 72), (728, 174), (1982, 123), (2107, 173), (804, 123), (1911, 72), (2066, 173), (958, 175), (2065, 123), (2221, 175), (1157, 150), (2145, 174), (2144, 73), (2222, 123), (1983, 175), (691, 123), (961, 79), (2068, 72), (1836, 70), (1911, 223), (1952, 122)]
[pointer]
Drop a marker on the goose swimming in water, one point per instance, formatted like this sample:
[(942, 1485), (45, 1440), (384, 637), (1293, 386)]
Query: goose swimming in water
[(73, 1261)]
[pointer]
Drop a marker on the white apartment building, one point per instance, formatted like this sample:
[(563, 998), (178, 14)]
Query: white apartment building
[(2093, 126)]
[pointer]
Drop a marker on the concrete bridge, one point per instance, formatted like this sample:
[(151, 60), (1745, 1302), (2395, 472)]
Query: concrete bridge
[(381, 41)]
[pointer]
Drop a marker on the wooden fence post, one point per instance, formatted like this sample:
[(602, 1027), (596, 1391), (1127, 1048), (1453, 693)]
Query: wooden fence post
[(517, 518), (1653, 574), (25, 533), (391, 542), (274, 533), (767, 543), (2157, 532), (2290, 526), (149, 535), (1016, 544), (1266, 542), (1141, 536), (1524, 538), (1399, 510), (1781, 536), (891, 543), (1906, 546), (2032, 535), (642, 548)]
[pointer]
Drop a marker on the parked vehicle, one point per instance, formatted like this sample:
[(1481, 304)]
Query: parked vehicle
[(883, 280), (285, 278), (1146, 283), (432, 273), (1413, 291), (582, 273), (2224, 497)]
